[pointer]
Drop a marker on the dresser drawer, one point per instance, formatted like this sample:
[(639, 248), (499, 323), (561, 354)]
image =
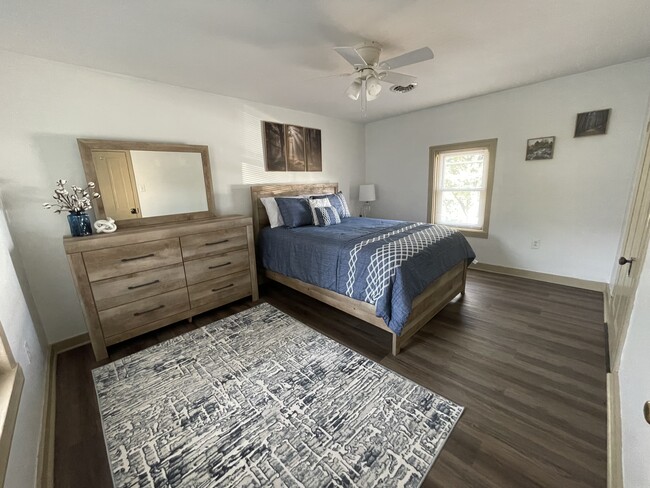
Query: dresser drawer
[(120, 319), (212, 267), (210, 243), (129, 288), (121, 260), (220, 290)]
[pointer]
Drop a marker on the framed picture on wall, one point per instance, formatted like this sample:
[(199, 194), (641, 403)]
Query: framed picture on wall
[(592, 123), (274, 154), (540, 148), (295, 147), (313, 150), (289, 147)]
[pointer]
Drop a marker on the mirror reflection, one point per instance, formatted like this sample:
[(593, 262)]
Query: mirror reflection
[(149, 183), (141, 183)]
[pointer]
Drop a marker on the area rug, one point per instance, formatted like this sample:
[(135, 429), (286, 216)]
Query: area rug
[(260, 399)]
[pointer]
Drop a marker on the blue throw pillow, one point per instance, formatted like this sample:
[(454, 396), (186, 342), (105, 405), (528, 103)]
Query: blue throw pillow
[(295, 211), (337, 200), (326, 216)]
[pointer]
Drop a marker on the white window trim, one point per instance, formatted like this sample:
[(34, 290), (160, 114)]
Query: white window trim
[(434, 172), (11, 387)]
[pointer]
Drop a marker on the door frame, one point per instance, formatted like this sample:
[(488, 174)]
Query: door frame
[(614, 427), (643, 161)]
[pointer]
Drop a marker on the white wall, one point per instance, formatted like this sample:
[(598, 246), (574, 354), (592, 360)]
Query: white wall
[(46, 106), (574, 203), (21, 328), (634, 382), (169, 182)]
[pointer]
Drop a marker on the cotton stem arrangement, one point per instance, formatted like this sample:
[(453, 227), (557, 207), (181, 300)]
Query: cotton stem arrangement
[(75, 200)]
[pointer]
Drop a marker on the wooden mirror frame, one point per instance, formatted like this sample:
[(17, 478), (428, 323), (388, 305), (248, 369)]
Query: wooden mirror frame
[(87, 146)]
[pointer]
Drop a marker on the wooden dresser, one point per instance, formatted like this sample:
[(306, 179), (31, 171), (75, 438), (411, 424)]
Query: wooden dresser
[(139, 279)]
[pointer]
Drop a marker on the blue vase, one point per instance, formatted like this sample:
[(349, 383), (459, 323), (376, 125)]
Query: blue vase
[(79, 224)]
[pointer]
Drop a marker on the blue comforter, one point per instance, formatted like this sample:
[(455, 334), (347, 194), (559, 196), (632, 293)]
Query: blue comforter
[(383, 262)]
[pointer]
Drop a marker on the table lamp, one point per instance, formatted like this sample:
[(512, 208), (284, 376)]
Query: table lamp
[(366, 195)]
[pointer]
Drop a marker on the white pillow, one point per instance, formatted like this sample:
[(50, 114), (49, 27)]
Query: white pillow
[(272, 210), (314, 204)]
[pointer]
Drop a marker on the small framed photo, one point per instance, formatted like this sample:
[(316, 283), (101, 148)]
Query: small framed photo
[(540, 148), (592, 123)]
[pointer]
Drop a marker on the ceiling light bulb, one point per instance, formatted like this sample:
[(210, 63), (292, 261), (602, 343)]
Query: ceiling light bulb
[(373, 87), (354, 90)]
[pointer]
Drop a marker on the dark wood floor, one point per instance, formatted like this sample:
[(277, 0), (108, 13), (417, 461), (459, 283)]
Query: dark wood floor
[(525, 358)]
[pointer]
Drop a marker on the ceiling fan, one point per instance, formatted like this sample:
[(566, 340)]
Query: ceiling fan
[(369, 71)]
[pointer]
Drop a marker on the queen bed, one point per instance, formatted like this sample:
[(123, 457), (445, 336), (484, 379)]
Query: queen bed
[(394, 275)]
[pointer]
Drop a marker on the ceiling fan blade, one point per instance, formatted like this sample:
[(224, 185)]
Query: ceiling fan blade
[(351, 55), (397, 78), (405, 59), (340, 75)]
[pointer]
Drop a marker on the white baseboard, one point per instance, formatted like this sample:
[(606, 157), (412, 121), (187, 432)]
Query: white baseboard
[(70, 343), (545, 277)]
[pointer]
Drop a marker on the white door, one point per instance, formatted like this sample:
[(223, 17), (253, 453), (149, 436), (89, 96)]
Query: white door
[(635, 243)]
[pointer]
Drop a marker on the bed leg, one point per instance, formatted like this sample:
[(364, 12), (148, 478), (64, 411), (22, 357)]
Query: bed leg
[(396, 344), (462, 290)]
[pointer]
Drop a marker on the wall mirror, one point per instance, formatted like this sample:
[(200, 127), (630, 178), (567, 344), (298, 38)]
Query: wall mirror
[(148, 183)]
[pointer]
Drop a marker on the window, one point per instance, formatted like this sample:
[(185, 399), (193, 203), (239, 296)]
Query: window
[(460, 185)]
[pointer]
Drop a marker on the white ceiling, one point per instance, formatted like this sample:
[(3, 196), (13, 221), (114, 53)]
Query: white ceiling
[(274, 51)]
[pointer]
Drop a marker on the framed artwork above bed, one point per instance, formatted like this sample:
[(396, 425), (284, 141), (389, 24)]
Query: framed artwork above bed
[(289, 147)]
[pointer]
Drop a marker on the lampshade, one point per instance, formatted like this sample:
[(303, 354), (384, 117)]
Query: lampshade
[(354, 90), (366, 193)]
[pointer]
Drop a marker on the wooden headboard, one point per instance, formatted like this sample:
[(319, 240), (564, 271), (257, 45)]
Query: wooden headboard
[(260, 219)]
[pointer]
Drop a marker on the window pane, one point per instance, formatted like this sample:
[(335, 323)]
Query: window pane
[(463, 169), (460, 208)]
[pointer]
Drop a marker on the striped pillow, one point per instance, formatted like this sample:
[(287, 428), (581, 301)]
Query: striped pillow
[(326, 216), (336, 200)]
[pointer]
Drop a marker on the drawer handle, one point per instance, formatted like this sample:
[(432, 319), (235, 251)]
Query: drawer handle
[(143, 284), (223, 287), (219, 265), (126, 260), (217, 242), (147, 311)]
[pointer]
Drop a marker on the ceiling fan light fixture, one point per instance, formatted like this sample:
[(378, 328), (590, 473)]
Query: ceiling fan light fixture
[(354, 90), (369, 71), (373, 87)]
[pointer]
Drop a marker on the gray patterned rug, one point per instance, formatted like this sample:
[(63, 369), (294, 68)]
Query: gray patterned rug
[(259, 399)]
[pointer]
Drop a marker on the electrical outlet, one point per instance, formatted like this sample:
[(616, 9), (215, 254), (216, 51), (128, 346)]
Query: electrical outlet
[(28, 352), (535, 244)]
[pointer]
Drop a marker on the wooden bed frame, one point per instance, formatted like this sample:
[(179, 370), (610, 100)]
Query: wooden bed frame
[(425, 305)]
